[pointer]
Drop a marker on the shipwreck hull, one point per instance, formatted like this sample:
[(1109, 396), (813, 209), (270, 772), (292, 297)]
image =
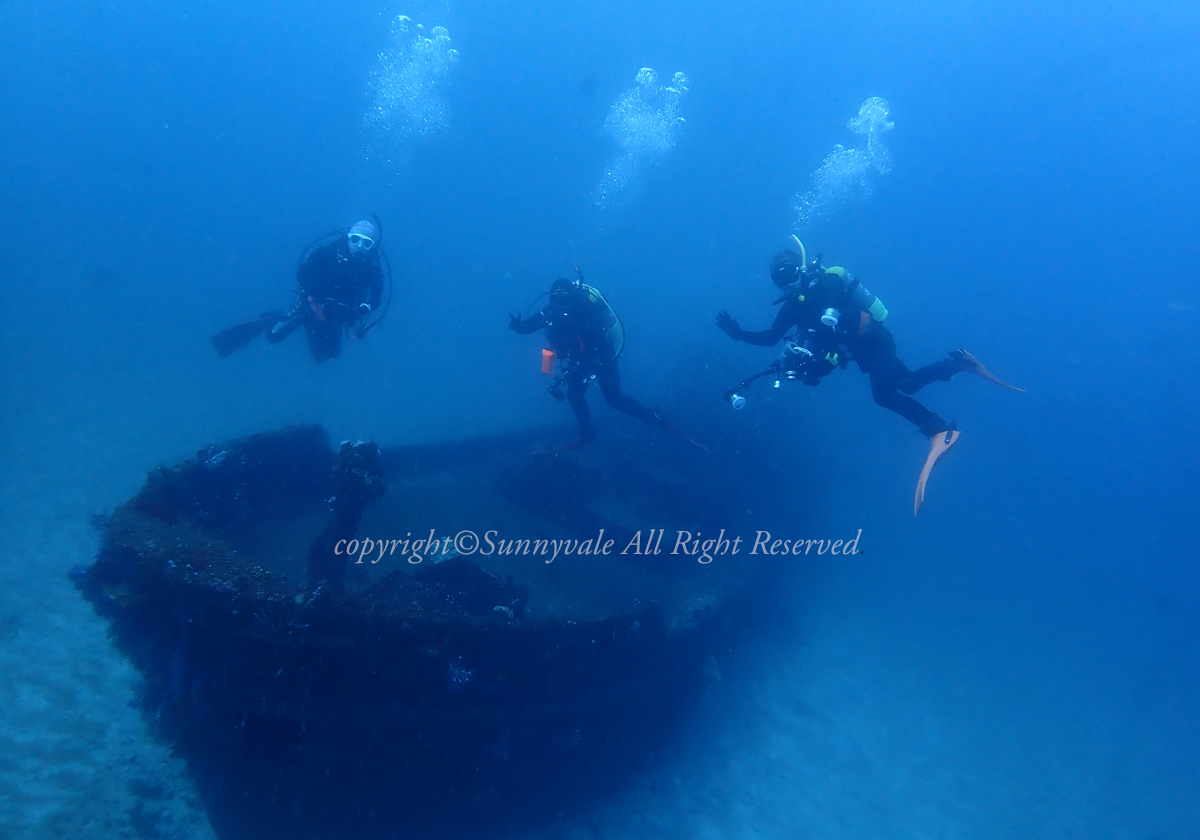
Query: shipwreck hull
[(414, 698)]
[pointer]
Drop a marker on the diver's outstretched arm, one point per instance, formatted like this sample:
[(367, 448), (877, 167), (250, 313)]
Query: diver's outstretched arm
[(784, 319), (525, 326)]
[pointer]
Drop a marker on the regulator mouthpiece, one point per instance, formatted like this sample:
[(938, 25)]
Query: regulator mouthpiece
[(830, 318), (737, 401)]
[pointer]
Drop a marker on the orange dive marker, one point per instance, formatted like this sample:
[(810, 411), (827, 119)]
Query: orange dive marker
[(547, 362)]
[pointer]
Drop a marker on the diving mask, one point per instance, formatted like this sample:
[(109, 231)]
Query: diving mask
[(360, 243), (785, 274), (361, 237)]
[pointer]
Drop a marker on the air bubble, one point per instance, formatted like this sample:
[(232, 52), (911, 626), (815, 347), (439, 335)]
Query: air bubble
[(847, 176), (644, 121), (407, 81)]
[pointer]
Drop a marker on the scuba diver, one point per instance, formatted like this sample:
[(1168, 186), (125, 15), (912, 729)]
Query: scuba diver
[(586, 337), (837, 319), (341, 286)]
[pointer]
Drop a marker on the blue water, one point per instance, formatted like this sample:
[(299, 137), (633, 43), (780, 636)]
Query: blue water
[(1019, 661)]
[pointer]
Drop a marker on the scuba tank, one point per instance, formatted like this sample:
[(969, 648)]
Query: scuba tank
[(609, 322), (866, 301), (861, 294)]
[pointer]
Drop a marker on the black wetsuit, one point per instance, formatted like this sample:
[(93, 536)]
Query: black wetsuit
[(338, 285), (588, 341), (867, 342)]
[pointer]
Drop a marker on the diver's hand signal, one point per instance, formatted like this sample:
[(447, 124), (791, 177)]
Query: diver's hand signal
[(729, 325)]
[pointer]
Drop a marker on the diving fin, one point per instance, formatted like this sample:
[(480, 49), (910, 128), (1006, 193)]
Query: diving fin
[(578, 443), (237, 337), (656, 418), (973, 365), (939, 445), (673, 432)]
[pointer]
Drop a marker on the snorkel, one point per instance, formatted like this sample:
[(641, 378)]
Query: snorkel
[(803, 253)]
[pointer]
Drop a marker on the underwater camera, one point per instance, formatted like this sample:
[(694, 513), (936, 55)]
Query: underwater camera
[(796, 359)]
